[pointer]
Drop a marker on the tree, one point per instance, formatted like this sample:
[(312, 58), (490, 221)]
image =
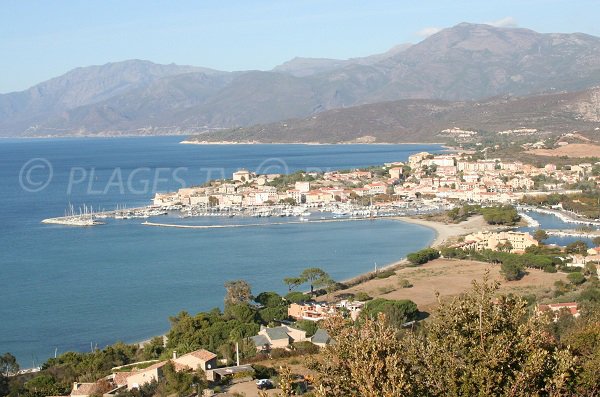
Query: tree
[(315, 276), (43, 385), (296, 297), (578, 247), (306, 325), (397, 312), (293, 282), (423, 256), (596, 241), (8, 365), (269, 299), (576, 278), (238, 291), (505, 246), (213, 201), (241, 312), (478, 344), (511, 271), (154, 348), (367, 360), (540, 235)]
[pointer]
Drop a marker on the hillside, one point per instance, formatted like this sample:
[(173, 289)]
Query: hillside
[(464, 63), (424, 120)]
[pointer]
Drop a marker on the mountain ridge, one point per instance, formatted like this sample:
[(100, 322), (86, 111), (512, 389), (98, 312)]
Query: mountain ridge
[(462, 63), (423, 120)]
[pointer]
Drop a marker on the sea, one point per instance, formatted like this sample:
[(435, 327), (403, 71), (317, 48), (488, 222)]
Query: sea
[(74, 289)]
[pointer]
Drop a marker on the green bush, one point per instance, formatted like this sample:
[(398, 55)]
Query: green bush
[(306, 347), (423, 256), (385, 274), (576, 278), (262, 372), (500, 215), (397, 312), (362, 296), (297, 297), (306, 325)]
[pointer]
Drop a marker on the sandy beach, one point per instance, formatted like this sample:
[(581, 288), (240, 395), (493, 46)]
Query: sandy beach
[(448, 231)]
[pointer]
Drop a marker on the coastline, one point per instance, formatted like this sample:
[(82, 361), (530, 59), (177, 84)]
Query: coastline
[(194, 142), (444, 233)]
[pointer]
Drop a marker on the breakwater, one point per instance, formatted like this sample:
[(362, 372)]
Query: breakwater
[(179, 226)]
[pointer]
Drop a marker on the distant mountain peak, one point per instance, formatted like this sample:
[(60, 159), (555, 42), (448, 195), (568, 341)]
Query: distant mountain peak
[(464, 62)]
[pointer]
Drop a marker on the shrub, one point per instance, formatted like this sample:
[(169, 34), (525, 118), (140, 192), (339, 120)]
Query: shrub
[(262, 372), (404, 283), (550, 269), (362, 296), (280, 353), (385, 274), (511, 271), (576, 278), (423, 256), (397, 312), (386, 289), (306, 325), (306, 347), (297, 297)]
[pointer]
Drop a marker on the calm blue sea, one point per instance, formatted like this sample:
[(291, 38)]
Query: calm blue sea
[(64, 287)]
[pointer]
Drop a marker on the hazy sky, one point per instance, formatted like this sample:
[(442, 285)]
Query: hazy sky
[(44, 39)]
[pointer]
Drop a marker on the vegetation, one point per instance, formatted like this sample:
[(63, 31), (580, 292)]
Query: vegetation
[(500, 215), (423, 256), (385, 274), (494, 215), (476, 344), (317, 278), (512, 265), (540, 235), (397, 312)]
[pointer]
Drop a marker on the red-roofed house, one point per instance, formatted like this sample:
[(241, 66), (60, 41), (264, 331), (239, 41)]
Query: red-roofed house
[(556, 308)]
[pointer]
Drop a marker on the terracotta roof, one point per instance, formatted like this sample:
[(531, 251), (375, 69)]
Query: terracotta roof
[(202, 354), (120, 378), (84, 389)]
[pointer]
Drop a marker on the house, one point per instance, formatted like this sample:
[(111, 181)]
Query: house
[(395, 172), (199, 359), (310, 311), (242, 175), (84, 389), (146, 375), (321, 338), (556, 309), (277, 337)]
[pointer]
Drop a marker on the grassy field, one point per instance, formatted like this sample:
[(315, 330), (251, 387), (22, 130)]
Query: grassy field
[(450, 277)]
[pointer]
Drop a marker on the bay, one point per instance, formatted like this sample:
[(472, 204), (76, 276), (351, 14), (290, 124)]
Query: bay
[(71, 288)]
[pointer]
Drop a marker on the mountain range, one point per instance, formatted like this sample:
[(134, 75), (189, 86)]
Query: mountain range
[(465, 63), (426, 120)]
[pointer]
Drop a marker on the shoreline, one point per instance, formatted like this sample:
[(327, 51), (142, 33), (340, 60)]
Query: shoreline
[(442, 232), (208, 143)]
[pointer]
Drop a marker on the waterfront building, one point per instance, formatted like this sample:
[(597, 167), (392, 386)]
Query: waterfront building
[(493, 241)]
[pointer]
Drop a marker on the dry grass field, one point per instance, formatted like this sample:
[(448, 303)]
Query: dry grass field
[(572, 150), (450, 277)]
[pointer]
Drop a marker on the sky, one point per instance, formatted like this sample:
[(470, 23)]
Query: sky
[(44, 39)]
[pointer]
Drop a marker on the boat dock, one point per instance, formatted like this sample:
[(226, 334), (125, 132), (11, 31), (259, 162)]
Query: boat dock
[(87, 217)]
